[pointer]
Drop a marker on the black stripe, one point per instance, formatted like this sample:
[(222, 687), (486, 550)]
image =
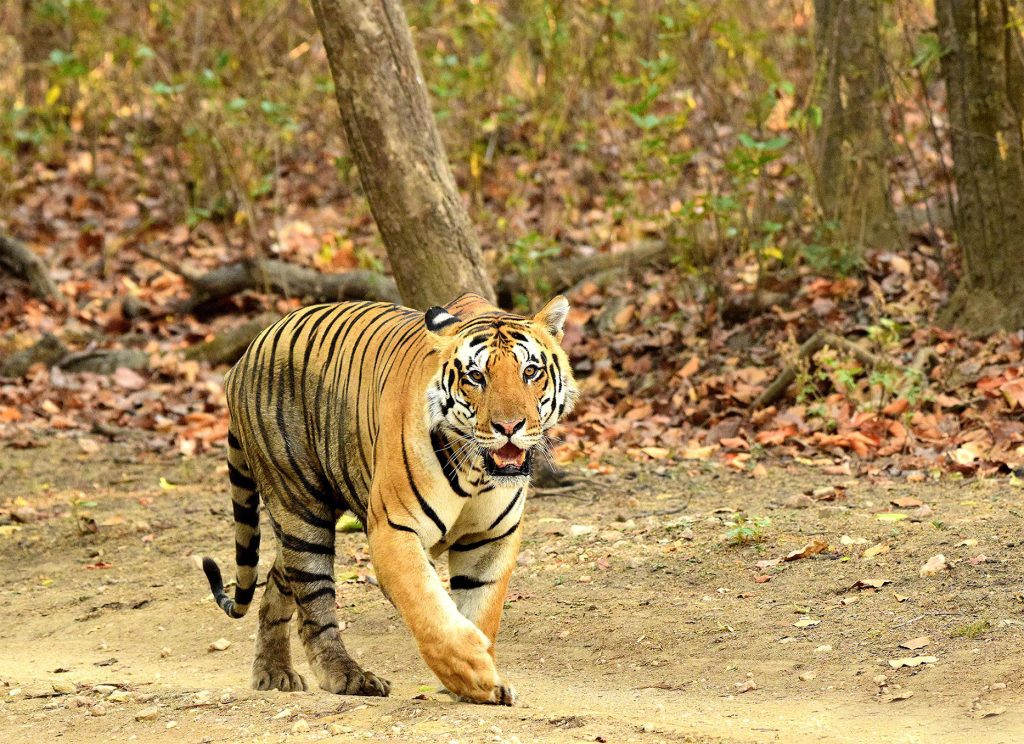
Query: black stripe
[(442, 450), (324, 591), (244, 594), (395, 525), (233, 441), (246, 514), (240, 479), (474, 545), (321, 628), (290, 542), (427, 509), (248, 555), (307, 577), (506, 510), (467, 582)]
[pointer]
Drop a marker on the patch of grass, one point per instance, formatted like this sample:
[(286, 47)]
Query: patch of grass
[(972, 630), (747, 530)]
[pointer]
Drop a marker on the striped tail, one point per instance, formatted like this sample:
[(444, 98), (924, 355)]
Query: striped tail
[(245, 503)]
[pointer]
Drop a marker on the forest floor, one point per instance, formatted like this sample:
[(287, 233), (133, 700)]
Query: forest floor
[(620, 625)]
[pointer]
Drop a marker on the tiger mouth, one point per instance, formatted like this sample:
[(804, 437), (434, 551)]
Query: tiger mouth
[(508, 461)]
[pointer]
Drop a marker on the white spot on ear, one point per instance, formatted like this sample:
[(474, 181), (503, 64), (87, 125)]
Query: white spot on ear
[(437, 318)]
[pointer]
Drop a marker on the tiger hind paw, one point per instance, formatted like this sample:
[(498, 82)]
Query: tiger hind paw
[(271, 676)]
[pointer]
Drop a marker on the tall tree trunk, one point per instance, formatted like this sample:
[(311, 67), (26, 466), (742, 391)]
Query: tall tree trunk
[(984, 77), (852, 148), (434, 252)]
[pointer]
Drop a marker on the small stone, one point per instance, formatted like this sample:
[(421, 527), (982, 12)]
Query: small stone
[(148, 714), (798, 501), (301, 726), (807, 676), (119, 696), (283, 713), (25, 514), (64, 688), (881, 680), (171, 724), (934, 565), (579, 530), (220, 644), (228, 696), (98, 710), (104, 689), (611, 535), (165, 652), (997, 686), (823, 649), (648, 728), (338, 728)]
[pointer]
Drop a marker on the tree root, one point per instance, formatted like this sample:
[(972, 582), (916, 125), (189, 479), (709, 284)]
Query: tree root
[(228, 347), (24, 264), (808, 349)]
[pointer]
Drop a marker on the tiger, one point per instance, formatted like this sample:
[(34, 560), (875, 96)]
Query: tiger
[(425, 426)]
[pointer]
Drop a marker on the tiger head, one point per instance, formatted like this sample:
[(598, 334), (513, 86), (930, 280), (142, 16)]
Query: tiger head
[(503, 383)]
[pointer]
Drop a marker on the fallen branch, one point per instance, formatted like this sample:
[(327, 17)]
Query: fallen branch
[(559, 275), (24, 264), (228, 347), (808, 349), (289, 280)]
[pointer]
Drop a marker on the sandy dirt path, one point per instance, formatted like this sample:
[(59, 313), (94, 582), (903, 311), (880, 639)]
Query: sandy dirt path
[(643, 628)]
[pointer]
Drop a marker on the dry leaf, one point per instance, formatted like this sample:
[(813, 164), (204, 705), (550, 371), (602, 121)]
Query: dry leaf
[(805, 622), (812, 548), (871, 583), (915, 643), (912, 661), (873, 551), (934, 565)]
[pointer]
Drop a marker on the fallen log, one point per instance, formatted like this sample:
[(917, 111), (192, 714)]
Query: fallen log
[(228, 347), (808, 349), (289, 280), (18, 260)]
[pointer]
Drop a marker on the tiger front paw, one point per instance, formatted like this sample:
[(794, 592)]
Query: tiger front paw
[(461, 658)]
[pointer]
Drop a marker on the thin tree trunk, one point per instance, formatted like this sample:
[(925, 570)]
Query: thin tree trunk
[(851, 146), (984, 76), (434, 252)]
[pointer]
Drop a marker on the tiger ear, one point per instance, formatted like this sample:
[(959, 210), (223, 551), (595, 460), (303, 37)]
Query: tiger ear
[(552, 316), (437, 319)]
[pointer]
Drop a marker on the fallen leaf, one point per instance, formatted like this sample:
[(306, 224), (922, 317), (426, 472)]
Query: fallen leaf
[(768, 563), (805, 622), (906, 502), (128, 379), (912, 661), (657, 453), (934, 565), (915, 643), (874, 550), (969, 543), (810, 549), (890, 517), (871, 583)]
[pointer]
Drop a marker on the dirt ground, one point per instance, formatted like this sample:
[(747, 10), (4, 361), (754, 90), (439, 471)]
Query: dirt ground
[(620, 626)]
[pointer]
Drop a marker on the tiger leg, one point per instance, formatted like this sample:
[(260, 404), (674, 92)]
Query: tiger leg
[(479, 580), (272, 668), (455, 649), (307, 552)]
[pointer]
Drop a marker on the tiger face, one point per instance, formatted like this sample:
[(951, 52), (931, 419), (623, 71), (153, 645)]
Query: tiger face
[(503, 383)]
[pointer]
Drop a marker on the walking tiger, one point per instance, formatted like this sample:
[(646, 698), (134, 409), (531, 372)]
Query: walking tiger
[(425, 426)]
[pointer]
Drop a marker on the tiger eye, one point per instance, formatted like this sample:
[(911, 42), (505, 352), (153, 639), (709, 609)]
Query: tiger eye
[(476, 376), (530, 372)]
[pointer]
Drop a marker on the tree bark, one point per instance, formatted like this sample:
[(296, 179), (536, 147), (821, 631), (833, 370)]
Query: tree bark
[(984, 76), (851, 148), (390, 128), (24, 264)]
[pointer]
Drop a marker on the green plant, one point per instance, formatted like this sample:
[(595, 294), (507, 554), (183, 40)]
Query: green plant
[(745, 530)]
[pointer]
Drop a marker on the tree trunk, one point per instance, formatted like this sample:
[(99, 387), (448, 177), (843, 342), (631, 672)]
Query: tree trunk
[(851, 148), (984, 76), (391, 132)]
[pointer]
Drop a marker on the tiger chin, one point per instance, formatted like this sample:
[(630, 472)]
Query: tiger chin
[(426, 426)]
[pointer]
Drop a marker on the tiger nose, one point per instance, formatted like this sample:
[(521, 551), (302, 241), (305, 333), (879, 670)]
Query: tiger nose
[(508, 428)]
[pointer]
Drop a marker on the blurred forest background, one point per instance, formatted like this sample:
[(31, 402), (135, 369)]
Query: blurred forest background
[(786, 227)]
